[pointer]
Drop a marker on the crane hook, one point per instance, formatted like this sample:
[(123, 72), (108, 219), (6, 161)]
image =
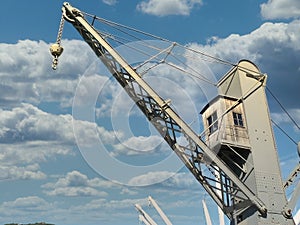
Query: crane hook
[(56, 51)]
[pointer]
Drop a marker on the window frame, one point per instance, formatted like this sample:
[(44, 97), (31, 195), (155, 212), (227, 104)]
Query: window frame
[(212, 122), (238, 119)]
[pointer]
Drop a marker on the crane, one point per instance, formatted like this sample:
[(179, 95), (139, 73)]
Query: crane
[(236, 144), (206, 213), (145, 218), (159, 210)]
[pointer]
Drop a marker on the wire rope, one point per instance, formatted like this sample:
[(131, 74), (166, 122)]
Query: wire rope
[(114, 24), (283, 108), (200, 76), (283, 131), (121, 27)]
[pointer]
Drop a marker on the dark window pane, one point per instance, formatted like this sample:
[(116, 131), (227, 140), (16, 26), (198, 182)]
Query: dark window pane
[(213, 125), (238, 119)]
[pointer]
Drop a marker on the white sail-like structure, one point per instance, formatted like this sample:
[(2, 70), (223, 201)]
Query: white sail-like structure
[(297, 218)]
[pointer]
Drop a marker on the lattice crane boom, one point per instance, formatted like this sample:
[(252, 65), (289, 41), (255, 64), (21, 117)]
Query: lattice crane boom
[(167, 122)]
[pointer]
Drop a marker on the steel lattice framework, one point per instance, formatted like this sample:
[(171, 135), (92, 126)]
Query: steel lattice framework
[(203, 163)]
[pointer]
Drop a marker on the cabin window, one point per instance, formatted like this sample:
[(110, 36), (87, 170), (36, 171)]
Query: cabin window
[(212, 122), (238, 119)]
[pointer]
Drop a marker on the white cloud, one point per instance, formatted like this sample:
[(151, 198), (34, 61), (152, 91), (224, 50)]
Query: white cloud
[(113, 204), (33, 209), (27, 122), (24, 173), (150, 178), (75, 184), (33, 203), (274, 47), (88, 89), (30, 136), (257, 44), (167, 179), (22, 160), (168, 7), (30, 59), (26, 75), (28, 209), (76, 191), (280, 9), (127, 191), (110, 2), (140, 145), (181, 180), (31, 152)]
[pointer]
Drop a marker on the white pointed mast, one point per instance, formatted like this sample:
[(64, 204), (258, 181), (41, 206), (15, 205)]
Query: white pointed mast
[(144, 217), (159, 210), (297, 218), (144, 220), (206, 213)]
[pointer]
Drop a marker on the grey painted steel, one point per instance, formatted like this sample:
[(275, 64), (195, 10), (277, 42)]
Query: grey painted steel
[(248, 197), (261, 168)]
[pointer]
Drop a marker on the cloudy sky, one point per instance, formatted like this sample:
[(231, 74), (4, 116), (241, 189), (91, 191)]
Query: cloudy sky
[(74, 149)]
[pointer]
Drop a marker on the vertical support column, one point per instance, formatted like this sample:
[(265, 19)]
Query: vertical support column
[(247, 83)]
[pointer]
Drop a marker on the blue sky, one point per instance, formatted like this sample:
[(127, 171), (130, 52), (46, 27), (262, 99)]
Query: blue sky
[(51, 120)]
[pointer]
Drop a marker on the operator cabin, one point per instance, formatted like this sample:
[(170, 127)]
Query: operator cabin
[(225, 127)]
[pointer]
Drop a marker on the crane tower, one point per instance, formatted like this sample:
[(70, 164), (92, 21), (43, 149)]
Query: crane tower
[(238, 127), (238, 146)]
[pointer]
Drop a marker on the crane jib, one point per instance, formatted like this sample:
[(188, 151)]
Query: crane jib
[(166, 120)]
